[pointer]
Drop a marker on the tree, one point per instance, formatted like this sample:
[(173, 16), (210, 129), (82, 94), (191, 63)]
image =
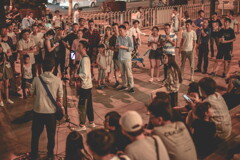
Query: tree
[(2, 16)]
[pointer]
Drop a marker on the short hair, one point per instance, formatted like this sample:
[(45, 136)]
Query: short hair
[(214, 13), (74, 143), (189, 21), (231, 12), (155, 27), (40, 25), (123, 27), (200, 11), (126, 22), (228, 19), (193, 87), (114, 24), (79, 8), (57, 11), (34, 25), (139, 8), (161, 109), (101, 46), (48, 64), (162, 96), (208, 85), (175, 8), (25, 56), (24, 31), (100, 142), (80, 19), (114, 118), (136, 21), (84, 43), (74, 24), (91, 21), (201, 109), (167, 24)]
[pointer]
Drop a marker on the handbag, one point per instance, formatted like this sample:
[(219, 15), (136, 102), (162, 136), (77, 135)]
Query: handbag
[(59, 112)]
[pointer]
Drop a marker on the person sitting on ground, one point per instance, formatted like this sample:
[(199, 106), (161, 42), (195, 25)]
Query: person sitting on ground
[(221, 116), (142, 147), (204, 130), (75, 148), (101, 145), (111, 123), (27, 76), (174, 135)]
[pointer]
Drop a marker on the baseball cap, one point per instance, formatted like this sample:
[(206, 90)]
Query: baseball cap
[(131, 121)]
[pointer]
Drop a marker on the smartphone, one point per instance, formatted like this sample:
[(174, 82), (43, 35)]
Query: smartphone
[(187, 98), (73, 55)]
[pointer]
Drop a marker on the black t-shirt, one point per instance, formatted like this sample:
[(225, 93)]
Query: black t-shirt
[(70, 38), (112, 43), (228, 34), (204, 136), (214, 26)]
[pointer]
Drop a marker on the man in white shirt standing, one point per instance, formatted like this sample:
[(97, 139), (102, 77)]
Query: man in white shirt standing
[(187, 46), (57, 19), (85, 106), (76, 15), (44, 110)]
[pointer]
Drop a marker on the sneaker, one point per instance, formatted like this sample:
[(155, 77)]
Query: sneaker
[(197, 70), (80, 128), (131, 90), (91, 125), (122, 88), (99, 87), (104, 85), (223, 75), (10, 101), (151, 80), (116, 85), (212, 74), (1, 104)]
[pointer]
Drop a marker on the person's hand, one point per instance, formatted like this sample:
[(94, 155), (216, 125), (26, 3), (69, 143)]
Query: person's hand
[(56, 44), (168, 38)]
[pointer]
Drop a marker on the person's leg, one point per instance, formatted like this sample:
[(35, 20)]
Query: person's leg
[(183, 60), (190, 57), (1, 85), (51, 130), (90, 113), (37, 128), (82, 105), (6, 89), (99, 76), (152, 65), (165, 71), (200, 57), (158, 68), (227, 64), (212, 39), (123, 73), (128, 66), (205, 56)]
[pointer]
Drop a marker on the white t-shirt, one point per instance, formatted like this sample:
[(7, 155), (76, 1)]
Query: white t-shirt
[(57, 21), (5, 47), (38, 40), (233, 23), (188, 38), (151, 38), (145, 149), (76, 16), (85, 73), (25, 45), (27, 72), (177, 140)]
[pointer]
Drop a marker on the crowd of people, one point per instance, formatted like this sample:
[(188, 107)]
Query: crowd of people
[(54, 47)]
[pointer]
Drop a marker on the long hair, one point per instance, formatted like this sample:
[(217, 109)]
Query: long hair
[(172, 64), (74, 145), (105, 35)]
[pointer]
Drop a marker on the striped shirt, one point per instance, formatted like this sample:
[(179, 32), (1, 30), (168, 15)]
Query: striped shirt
[(168, 48)]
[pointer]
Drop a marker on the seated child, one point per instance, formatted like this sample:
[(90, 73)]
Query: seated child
[(27, 76)]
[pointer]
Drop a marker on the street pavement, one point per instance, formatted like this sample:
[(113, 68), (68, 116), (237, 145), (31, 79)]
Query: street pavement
[(16, 138)]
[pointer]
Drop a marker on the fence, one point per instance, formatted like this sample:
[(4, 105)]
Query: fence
[(152, 16)]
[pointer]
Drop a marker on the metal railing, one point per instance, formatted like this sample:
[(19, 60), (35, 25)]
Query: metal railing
[(152, 16)]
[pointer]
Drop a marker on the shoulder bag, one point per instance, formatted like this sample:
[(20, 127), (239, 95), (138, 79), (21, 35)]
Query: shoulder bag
[(59, 112)]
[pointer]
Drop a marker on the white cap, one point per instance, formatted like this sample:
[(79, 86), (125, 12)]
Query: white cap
[(131, 121)]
